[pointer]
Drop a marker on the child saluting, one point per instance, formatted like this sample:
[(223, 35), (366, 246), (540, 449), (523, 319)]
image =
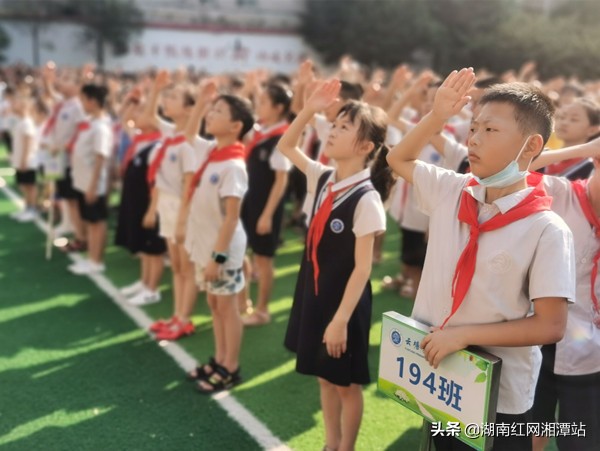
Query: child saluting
[(500, 266), (329, 324)]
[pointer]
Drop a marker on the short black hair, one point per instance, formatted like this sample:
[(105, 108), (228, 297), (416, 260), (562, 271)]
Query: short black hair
[(240, 110), (95, 92), (351, 91), (534, 111)]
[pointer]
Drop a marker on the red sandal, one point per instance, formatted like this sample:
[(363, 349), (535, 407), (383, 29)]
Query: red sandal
[(176, 331)]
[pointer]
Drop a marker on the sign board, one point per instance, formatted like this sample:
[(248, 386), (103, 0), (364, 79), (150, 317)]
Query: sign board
[(460, 396)]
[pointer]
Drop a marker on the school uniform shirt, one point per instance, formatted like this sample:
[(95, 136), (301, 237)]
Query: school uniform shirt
[(23, 129), (578, 353), (179, 159), (454, 154), (221, 179), (369, 215), (528, 259), (167, 129), (70, 114), (96, 140)]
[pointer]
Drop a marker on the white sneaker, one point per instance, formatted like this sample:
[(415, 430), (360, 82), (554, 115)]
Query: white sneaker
[(17, 214), (85, 267), (132, 289), (62, 230), (145, 297), (27, 216)]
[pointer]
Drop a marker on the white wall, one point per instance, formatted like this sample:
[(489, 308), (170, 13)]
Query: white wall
[(163, 48)]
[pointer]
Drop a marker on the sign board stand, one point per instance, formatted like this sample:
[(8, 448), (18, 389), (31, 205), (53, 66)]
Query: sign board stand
[(457, 399)]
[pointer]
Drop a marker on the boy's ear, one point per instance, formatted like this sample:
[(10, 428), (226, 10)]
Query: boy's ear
[(534, 147)]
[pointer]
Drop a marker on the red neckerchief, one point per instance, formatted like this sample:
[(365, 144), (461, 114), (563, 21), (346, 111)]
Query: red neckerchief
[(135, 142), (535, 202), (260, 136), (52, 119), (235, 151), (160, 156), (81, 126), (317, 227), (580, 188)]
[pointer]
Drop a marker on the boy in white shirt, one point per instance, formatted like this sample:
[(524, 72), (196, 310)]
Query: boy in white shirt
[(91, 151), (500, 265), (24, 155)]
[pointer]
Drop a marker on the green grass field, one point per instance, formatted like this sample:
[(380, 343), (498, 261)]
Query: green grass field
[(78, 374)]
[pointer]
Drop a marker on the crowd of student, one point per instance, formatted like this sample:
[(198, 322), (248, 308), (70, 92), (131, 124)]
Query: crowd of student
[(494, 255)]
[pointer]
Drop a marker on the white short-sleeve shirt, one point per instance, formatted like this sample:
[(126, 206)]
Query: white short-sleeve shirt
[(454, 154), (179, 159), (529, 259), (96, 140), (70, 114), (23, 129), (207, 211), (578, 352), (369, 215)]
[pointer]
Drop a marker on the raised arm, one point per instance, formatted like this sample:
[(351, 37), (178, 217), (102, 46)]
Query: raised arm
[(588, 150), (150, 116), (449, 100), (206, 94), (305, 77), (421, 83), (323, 96)]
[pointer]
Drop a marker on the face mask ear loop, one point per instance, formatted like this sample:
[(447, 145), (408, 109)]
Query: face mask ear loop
[(521, 151)]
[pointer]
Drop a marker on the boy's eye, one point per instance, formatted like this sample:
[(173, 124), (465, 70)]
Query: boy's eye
[(489, 129)]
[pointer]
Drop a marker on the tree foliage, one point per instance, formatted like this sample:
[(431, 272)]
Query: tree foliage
[(111, 22), (495, 34)]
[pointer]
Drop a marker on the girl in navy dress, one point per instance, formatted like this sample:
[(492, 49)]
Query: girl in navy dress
[(262, 209), (330, 320)]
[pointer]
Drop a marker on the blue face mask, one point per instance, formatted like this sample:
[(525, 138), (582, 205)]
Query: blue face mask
[(507, 176)]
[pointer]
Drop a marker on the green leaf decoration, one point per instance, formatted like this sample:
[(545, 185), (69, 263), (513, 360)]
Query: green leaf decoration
[(482, 365), (481, 377)]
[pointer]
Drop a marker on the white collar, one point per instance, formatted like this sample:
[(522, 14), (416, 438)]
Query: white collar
[(365, 174), (504, 203)]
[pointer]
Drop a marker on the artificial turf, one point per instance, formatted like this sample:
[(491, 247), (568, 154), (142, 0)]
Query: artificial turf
[(75, 373)]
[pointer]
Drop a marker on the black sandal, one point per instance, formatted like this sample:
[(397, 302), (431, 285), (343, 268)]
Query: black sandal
[(200, 373), (227, 380)]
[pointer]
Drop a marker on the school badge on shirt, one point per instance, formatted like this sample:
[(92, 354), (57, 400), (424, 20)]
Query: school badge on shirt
[(214, 179), (337, 226), (173, 157), (263, 155)]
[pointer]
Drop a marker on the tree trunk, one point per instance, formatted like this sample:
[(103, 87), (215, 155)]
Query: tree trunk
[(99, 49)]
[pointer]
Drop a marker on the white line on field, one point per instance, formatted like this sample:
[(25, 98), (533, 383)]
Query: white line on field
[(252, 425)]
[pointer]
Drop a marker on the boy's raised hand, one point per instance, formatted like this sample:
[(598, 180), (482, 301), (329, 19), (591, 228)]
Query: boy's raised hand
[(323, 96), (207, 91), (451, 96), (162, 80)]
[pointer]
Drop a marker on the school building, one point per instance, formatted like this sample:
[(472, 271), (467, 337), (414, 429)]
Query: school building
[(211, 35)]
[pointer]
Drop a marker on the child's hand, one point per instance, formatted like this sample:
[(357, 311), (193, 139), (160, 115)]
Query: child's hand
[(264, 225), (180, 232), (451, 96), (162, 80), (149, 220), (91, 196), (212, 271), (401, 76), (207, 92), (336, 338), (305, 73), (323, 96), (441, 343), (49, 72)]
